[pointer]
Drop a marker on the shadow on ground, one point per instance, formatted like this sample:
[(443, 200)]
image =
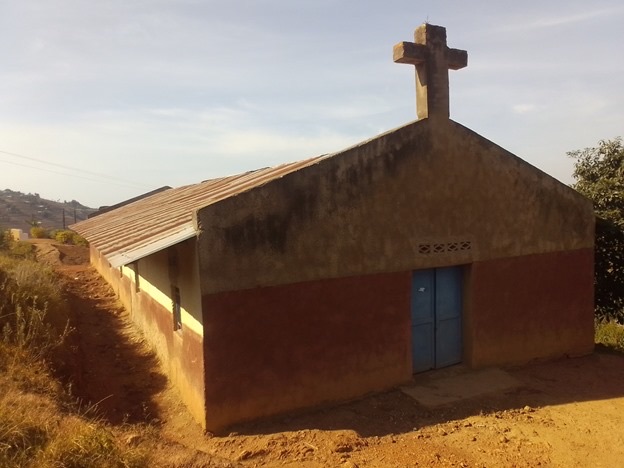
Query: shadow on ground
[(111, 367), (595, 377)]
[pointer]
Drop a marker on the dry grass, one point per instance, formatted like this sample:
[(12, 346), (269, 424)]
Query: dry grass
[(83, 443), (31, 299), (40, 424), (27, 423)]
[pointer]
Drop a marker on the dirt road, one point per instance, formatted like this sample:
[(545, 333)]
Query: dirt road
[(568, 413)]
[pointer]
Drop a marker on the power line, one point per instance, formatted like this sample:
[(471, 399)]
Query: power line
[(73, 175), (96, 174)]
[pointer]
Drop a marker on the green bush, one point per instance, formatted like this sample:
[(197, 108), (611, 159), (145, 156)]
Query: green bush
[(64, 237), (38, 232), (69, 237), (77, 239), (610, 334)]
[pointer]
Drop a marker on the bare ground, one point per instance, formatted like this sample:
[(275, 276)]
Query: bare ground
[(567, 413)]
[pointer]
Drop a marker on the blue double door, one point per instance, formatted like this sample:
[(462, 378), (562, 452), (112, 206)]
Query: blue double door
[(436, 318)]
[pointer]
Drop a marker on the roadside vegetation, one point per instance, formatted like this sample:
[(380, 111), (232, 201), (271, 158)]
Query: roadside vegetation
[(64, 236), (41, 424), (599, 175)]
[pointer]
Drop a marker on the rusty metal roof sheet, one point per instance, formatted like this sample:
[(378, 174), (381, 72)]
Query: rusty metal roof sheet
[(143, 227)]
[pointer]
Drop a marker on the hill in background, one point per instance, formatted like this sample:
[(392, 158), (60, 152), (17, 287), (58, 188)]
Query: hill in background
[(20, 210)]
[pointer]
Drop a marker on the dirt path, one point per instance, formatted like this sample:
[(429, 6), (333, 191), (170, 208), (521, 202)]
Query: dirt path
[(568, 413)]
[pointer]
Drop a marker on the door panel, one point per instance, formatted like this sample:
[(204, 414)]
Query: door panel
[(436, 310), (423, 320), (448, 349), (448, 308)]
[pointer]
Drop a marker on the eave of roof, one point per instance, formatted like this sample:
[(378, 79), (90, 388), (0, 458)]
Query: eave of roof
[(141, 250), (141, 228)]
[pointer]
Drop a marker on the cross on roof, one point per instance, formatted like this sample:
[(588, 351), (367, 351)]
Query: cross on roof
[(433, 59)]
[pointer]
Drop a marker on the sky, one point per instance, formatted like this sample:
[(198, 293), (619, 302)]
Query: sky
[(101, 101)]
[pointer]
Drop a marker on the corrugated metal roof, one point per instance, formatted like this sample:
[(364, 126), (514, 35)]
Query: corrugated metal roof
[(151, 224), (104, 209)]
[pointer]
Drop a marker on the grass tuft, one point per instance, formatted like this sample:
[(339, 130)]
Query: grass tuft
[(611, 335), (27, 422), (88, 444), (31, 298)]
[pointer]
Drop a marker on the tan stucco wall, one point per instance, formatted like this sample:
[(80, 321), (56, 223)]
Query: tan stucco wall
[(372, 208)]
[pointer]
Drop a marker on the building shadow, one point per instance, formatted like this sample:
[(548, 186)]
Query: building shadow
[(105, 362), (598, 376)]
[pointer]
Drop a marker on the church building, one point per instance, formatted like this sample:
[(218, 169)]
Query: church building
[(329, 278)]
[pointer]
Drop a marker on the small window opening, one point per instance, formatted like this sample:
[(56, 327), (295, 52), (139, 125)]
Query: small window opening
[(177, 311)]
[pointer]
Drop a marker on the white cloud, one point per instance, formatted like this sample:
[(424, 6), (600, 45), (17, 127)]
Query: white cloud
[(275, 145), (523, 108), (575, 18)]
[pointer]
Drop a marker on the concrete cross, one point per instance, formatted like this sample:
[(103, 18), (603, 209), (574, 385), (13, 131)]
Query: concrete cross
[(433, 59)]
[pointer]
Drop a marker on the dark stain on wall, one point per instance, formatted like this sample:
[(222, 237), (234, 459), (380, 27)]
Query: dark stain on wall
[(254, 232), (328, 185), (270, 230)]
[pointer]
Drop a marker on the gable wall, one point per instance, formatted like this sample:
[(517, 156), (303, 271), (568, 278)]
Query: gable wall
[(370, 210)]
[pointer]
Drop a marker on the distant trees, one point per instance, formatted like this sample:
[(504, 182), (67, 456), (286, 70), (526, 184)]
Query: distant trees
[(599, 175)]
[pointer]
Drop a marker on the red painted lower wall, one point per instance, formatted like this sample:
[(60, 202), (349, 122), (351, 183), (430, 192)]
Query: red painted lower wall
[(524, 308), (273, 349)]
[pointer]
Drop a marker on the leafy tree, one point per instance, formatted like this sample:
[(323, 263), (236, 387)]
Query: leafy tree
[(599, 175), (33, 222)]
